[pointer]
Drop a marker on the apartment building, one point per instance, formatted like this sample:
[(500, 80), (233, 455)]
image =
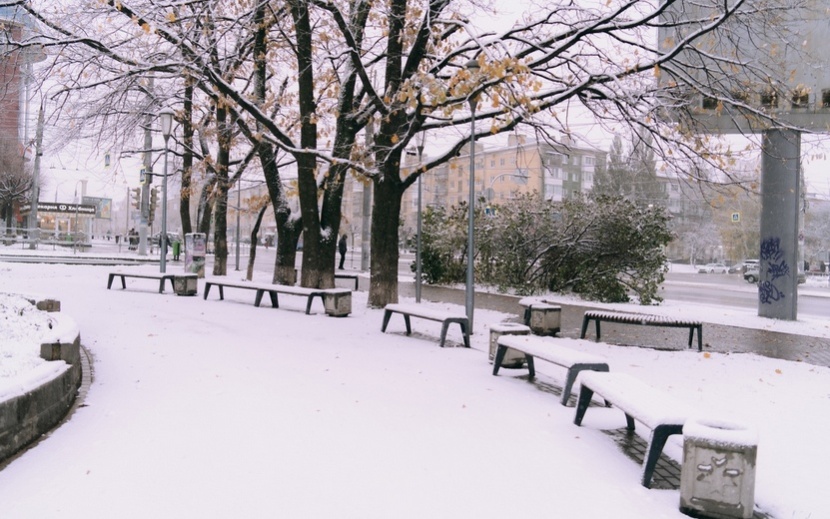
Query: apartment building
[(502, 173)]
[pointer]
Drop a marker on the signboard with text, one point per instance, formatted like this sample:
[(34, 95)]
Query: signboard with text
[(58, 207)]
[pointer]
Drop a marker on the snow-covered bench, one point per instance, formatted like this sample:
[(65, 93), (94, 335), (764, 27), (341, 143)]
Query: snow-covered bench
[(656, 410), (273, 292), (645, 320), (431, 314), (553, 351), (161, 278)]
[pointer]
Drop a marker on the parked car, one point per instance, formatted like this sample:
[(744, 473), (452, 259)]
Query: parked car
[(752, 274), (713, 268), (743, 266)]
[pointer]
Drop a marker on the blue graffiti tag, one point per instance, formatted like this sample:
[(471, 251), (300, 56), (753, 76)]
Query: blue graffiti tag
[(777, 268)]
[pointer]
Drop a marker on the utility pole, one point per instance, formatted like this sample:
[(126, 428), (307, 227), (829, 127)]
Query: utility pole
[(33, 227), (148, 169)]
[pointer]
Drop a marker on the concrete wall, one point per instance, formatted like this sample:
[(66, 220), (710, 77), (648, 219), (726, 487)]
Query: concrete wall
[(44, 396)]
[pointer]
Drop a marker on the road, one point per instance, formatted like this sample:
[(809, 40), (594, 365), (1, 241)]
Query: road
[(732, 290)]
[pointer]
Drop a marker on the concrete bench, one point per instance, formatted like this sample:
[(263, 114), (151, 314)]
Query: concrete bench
[(161, 278), (644, 320), (431, 314), (553, 351), (333, 299), (661, 413)]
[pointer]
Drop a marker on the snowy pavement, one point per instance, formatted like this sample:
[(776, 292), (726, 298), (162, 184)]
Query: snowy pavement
[(218, 409)]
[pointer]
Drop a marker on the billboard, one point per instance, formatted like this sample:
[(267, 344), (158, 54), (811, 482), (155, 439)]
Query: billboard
[(103, 206)]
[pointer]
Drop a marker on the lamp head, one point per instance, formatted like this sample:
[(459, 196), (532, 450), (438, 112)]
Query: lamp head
[(166, 121)]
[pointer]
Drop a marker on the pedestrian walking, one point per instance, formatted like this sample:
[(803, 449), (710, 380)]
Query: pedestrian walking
[(341, 246)]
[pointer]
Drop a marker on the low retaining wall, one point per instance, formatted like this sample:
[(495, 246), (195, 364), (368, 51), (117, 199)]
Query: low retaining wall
[(41, 399)]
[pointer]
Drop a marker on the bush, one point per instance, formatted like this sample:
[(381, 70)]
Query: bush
[(602, 248)]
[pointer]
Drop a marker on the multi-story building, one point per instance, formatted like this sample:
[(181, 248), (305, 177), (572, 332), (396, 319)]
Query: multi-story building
[(555, 171)]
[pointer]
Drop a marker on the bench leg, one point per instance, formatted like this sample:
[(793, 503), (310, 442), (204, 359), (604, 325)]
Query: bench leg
[(408, 324), (531, 366), (659, 436), (386, 315), (466, 332), (700, 338), (308, 303), (585, 321), (500, 352), (207, 289), (275, 300), (582, 403), (571, 379), (527, 317), (597, 325), (444, 327), (123, 282), (161, 286), (221, 292), (258, 298), (109, 281)]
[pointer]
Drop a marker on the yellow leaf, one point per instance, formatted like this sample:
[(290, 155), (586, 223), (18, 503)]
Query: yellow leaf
[(778, 371), (394, 139), (707, 355), (171, 17)]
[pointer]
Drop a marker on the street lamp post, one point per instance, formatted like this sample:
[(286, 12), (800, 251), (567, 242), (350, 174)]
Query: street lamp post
[(166, 121), (421, 139), (473, 67), (238, 209)]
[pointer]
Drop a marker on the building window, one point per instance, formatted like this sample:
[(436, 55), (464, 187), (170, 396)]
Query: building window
[(769, 99), (709, 103), (825, 98), (801, 99), (501, 162)]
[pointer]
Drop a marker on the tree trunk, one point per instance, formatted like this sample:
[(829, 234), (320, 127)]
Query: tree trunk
[(220, 218), (249, 274), (187, 158), (383, 288)]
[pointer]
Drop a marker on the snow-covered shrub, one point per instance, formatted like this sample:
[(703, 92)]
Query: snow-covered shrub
[(604, 248)]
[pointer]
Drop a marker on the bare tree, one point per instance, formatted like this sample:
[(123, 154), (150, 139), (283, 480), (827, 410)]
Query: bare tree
[(404, 66), (16, 179)]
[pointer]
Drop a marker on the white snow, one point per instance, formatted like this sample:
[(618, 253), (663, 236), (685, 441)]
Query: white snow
[(218, 409)]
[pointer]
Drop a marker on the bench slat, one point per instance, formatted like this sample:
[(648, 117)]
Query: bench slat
[(423, 312), (642, 319), (551, 350)]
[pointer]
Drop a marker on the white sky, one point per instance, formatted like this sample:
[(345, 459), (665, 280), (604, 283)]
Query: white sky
[(217, 409)]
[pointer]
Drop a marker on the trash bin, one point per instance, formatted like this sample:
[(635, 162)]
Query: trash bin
[(177, 248), (195, 249), (512, 358), (545, 319), (186, 284), (717, 478)]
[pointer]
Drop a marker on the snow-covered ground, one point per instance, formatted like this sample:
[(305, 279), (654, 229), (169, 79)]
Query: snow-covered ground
[(217, 409)]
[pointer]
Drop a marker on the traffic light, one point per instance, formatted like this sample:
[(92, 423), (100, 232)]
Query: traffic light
[(136, 197), (153, 200)]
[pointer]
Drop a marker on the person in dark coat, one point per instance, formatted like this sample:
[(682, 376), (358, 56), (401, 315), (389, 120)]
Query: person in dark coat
[(341, 246)]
